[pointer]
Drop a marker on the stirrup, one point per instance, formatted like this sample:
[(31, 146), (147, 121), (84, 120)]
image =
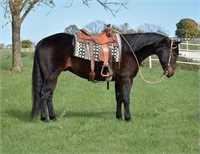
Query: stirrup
[(109, 72)]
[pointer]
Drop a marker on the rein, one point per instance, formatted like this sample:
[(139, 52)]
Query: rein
[(140, 72)]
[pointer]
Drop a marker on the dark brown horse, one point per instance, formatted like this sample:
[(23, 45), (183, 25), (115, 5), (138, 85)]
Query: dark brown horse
[(54, 54)]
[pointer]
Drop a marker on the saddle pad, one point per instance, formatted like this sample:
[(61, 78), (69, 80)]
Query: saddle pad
[(81, 50)]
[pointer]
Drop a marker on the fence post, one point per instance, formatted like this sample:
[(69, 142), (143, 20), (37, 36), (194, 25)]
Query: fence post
[(187, 45), (150, 63)]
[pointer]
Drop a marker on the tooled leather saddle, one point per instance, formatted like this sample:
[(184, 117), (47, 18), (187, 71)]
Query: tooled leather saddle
[(101, 47)]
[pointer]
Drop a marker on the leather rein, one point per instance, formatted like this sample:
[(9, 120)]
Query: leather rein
[(140, 72)]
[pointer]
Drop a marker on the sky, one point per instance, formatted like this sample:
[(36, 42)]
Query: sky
[(44, 21)]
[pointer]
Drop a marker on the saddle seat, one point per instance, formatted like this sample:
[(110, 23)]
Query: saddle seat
[(102, 38), (105, 39)]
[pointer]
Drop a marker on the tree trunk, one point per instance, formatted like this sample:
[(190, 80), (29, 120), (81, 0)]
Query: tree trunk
[(16, 45)]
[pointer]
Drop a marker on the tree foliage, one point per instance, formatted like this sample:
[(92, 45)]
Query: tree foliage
[(151, 28), (71, 29), (125, 28), (95, 27), (22, 7), (26, 44), (187, 28), (2, 46)]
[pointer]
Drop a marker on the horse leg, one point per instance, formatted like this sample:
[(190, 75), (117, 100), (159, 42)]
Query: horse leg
[(52, 115), (126, 89), (122, 91), (44, 106), (118, 96), (48, 88)]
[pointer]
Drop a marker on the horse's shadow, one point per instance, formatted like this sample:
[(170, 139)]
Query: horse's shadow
[(24, 115), (85, 114)]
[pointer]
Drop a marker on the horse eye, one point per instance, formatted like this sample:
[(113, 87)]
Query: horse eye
[(174, 54)]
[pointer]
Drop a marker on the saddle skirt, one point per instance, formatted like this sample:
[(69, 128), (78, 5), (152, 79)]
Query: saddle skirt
[(83, 43)]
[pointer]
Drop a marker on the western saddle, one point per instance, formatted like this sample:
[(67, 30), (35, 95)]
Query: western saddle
[(106, 40)]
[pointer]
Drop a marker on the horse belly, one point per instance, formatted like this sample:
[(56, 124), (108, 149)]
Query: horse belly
[(82, 68)]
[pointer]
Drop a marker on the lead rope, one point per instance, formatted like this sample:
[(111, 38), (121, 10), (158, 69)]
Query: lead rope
[(140, 72)]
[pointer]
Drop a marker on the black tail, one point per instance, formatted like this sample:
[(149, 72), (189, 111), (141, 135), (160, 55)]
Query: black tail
[(37, 82)]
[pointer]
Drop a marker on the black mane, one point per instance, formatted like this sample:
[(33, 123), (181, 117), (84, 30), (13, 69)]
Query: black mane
[(139, 40)]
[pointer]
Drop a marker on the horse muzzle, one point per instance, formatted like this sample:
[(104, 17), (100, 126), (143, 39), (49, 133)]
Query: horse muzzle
[(169, 71)]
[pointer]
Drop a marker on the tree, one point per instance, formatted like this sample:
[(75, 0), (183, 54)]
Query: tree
[(72, 29), (125, 28), (2, 46), (108, 5), (26, 44), (95, 27), (98, 26), (187, 28), (17, 10), (151, 28)]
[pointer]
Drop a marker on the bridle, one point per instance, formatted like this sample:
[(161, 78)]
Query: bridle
[(166, 72)]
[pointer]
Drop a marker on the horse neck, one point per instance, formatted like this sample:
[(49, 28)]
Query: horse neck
[(143, 54), (140, 45)]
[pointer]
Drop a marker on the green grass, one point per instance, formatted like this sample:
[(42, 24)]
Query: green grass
[(165, 115)]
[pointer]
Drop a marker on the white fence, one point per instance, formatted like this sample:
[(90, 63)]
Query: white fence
[(28, 49), (191, 51), (189, 47)]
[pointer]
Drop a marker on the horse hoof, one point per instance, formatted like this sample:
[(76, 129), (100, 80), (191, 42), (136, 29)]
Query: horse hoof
[(128, 119), (53, 118), (119, 118), (44, 119)]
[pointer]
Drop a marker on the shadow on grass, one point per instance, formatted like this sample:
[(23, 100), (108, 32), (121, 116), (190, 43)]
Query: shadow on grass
[(22, 115), (85, 114)]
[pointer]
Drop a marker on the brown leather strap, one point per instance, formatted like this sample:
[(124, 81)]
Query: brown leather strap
[(106, 54), (85, 32), (92, 62)]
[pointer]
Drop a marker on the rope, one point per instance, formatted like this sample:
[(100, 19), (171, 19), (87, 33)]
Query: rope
[(140, 72)]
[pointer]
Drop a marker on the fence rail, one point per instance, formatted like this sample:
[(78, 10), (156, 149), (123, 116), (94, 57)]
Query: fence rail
[(189, 47), (28, 49), (179, 62), (22, 50)]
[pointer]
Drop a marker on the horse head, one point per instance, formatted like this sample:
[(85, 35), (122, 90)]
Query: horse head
[(168, 52)]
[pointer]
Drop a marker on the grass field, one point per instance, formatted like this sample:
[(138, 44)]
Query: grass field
[(165, 115)]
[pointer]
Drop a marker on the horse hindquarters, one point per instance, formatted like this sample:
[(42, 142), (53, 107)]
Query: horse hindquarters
[(42, 90)]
